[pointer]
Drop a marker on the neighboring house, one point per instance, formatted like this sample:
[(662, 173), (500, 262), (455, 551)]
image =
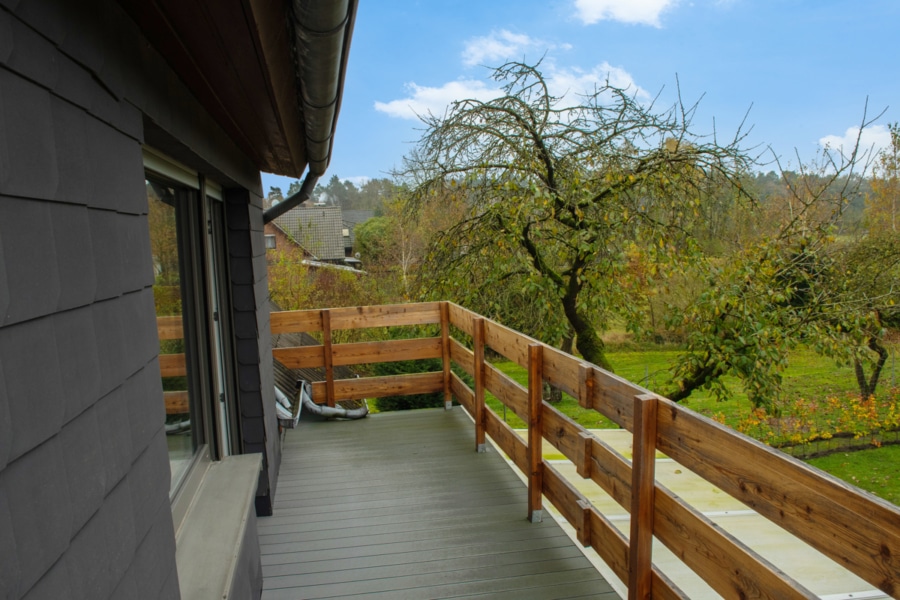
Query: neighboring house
[(278, 240), (351, 219), (318, 229), (132, 135)]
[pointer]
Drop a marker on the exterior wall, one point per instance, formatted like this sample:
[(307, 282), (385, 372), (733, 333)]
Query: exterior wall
[(84, 472), (250, 293)]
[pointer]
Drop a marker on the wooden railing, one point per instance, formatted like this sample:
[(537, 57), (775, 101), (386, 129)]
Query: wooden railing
[(858, 531), (173, 365)]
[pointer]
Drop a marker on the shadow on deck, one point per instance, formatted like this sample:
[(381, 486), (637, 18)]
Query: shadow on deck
[(401, 506)]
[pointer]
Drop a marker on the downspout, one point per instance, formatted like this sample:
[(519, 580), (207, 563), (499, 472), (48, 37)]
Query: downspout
[(306, 190)]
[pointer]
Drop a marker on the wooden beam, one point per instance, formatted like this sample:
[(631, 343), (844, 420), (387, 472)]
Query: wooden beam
[(177, 403), (643, 485), (374, 387), (172, 365), (535, 432), (445, 354), (295, 321), (586, 385), (298, 357), (478, 367), (389, 315), (387, 351), (329, 358), (170, 328)]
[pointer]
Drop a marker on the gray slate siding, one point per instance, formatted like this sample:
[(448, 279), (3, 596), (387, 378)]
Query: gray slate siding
[(83, 465), (84, 472), (259, 426)]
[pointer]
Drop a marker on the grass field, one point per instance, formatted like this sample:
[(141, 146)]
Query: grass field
[(876, 470)]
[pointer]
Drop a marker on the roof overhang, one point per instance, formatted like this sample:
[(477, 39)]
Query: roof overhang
[(271, 73)]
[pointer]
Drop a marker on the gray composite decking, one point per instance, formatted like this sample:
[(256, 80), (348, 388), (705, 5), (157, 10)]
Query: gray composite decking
[(400, 506)]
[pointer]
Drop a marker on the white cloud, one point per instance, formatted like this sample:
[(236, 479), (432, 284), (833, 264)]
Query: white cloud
[(642, 12), (574, 82), (504, 45), (358, 180), (568, 84), (424, 100), (873, 138), (499, 46)]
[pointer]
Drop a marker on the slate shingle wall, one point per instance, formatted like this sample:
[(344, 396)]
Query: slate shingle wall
[(83, 465), (247, 259), (84, 472)]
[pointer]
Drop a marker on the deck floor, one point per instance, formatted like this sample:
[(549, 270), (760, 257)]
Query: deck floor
[(400, 506)]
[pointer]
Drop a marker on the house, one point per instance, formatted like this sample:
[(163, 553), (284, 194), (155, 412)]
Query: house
[(132, 134), (318, 229)]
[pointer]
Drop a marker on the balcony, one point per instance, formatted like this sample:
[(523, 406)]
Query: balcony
[(328, 467)]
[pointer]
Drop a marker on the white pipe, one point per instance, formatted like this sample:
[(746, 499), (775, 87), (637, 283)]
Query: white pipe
[(329, 412)]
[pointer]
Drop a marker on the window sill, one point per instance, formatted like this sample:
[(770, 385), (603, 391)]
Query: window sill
[(217, 548)]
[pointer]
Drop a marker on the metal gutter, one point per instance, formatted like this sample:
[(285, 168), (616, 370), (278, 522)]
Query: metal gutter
[(322, 32)]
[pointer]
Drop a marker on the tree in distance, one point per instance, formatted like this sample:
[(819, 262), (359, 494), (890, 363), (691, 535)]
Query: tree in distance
[(563, 195)]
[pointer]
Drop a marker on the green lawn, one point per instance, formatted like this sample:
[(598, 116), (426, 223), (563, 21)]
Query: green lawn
[(876, 470)]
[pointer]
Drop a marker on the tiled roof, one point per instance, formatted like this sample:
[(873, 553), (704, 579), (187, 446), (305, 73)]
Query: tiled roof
[(317, 229), (355, 217), (352, 218)]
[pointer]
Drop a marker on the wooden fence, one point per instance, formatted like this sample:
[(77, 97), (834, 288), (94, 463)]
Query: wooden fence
[(858, 531), (173, 365)]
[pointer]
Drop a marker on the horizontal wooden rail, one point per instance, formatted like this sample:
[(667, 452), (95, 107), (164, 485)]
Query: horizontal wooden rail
[(172, 365), (373, 387), (177, 403), (170, 328), (360, 317), (359, 353)]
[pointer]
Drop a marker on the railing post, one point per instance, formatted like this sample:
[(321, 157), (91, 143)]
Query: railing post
[(585, 386), (535, 431), (478, 343), (329, 366), (445, 353), (643, 474)]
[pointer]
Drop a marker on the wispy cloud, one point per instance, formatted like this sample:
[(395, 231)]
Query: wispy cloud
[(574, 82), (423, 100), (501, 46), (640, 12), (568, 84), (874, 138)]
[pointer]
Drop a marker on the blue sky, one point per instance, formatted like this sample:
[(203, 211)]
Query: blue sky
[(804, 69)]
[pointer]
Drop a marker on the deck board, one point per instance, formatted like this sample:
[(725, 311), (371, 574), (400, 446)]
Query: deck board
[(401, 506)]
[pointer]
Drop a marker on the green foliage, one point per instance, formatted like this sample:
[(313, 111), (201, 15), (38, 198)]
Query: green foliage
[(883, 203), (373, 239), (558, 196), (796, 280)]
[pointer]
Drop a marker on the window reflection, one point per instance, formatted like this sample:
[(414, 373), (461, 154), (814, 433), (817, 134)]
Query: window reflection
[(168, 291)]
